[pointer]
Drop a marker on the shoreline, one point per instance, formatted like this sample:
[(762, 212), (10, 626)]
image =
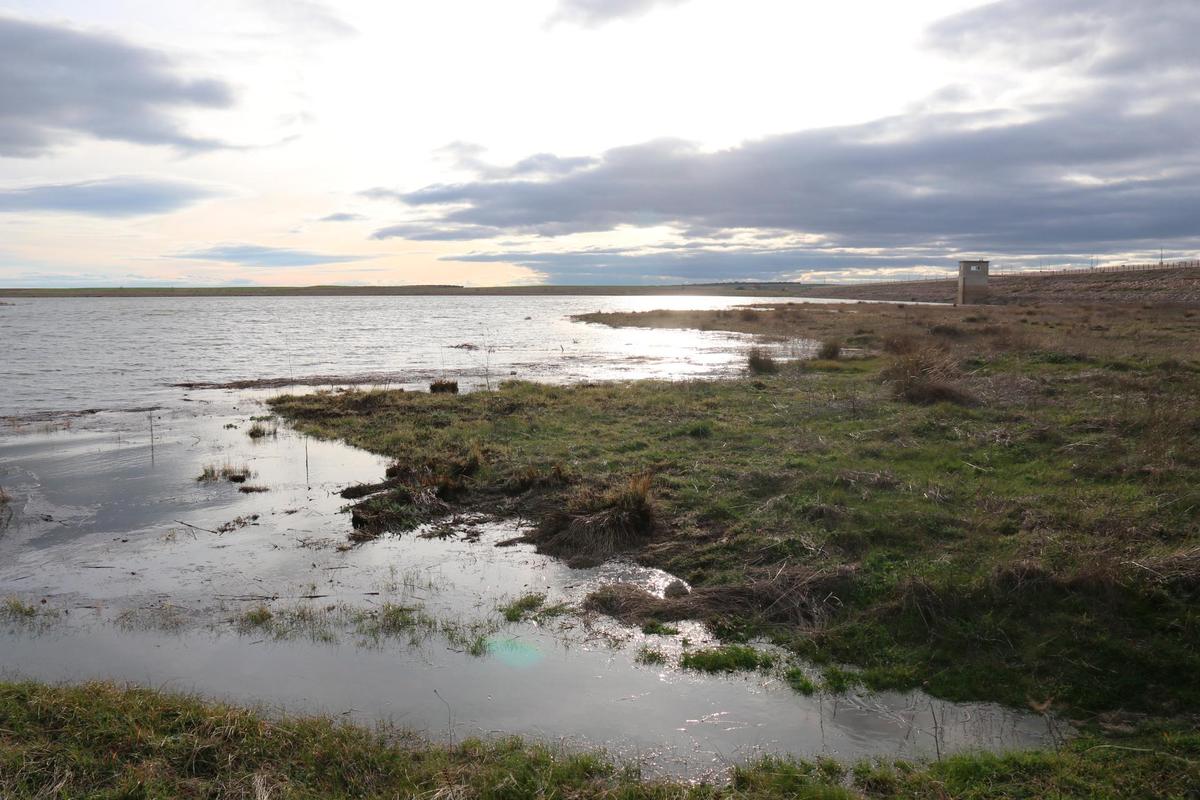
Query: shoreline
[(132, 742), (748, 289)]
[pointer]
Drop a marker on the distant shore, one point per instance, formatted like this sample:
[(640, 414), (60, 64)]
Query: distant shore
[(748, 289), (1170, 285)]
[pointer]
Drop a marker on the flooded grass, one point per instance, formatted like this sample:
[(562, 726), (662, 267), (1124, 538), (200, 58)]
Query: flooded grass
[(522, 607), (211, 473), (799, 681), (837, 680), (409, 622), (259, 430), (650, 656), (396, 621), (27, 615), (315, 624), (730, 658), (100, 740), (656, 628), (930, 544), (166, 617), (14, 608)]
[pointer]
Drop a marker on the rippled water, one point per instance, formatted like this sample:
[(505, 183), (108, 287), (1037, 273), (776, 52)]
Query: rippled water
[(69, 354), (109, 526)]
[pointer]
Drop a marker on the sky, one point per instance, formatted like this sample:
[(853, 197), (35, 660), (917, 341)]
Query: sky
[(473, 142)]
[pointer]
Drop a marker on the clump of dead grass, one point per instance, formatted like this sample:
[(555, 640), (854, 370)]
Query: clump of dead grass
[(598, 523), (798, 596), (925, 377), (443, 387), (760, 362), (830, 350)]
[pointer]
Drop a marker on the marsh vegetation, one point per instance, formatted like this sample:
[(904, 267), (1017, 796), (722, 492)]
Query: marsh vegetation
[(991, 503), (234, 473), (100, 740)]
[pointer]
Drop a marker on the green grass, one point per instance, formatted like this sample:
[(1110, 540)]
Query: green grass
[(523, 606), (730, 658), (799, 681), (14, 608), (100, 741), (1037, 545), (656, 628), (839, 681), (651, 657)]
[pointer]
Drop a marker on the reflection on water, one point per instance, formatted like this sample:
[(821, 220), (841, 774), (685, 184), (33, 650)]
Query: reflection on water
[(83, 353), (114, 531)]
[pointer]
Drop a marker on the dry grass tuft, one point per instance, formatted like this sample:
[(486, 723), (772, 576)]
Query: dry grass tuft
[(830, 350), (760, 362), (925, 377), (443, 387), (797, 597), (597, 524)]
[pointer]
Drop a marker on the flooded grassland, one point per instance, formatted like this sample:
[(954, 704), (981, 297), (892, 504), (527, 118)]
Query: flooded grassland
[(827, 560)]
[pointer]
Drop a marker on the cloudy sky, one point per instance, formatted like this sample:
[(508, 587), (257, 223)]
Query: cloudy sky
[(478, 142)]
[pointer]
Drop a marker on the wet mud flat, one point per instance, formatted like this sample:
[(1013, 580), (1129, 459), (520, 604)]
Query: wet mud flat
[(152, 576)]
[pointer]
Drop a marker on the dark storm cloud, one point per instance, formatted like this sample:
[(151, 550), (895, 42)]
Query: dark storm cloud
[(252, 255), (58, 82), (968, 180), (697, 264), (109, 197), (597, 12), (1113, 167)]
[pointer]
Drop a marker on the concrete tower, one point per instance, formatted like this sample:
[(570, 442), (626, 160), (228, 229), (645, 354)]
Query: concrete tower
[(972, 282)]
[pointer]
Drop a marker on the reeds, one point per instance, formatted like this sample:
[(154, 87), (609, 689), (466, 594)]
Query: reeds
[(760, 362)]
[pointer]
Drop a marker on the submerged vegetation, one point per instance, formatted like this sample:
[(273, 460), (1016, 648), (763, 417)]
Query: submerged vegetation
[(98, 740), (258, 430), (730, 658), (211, 473), (991, 503), (409, 621)]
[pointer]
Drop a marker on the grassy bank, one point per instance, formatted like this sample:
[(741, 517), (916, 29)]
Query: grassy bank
[(1035, 541), (101, 741)]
